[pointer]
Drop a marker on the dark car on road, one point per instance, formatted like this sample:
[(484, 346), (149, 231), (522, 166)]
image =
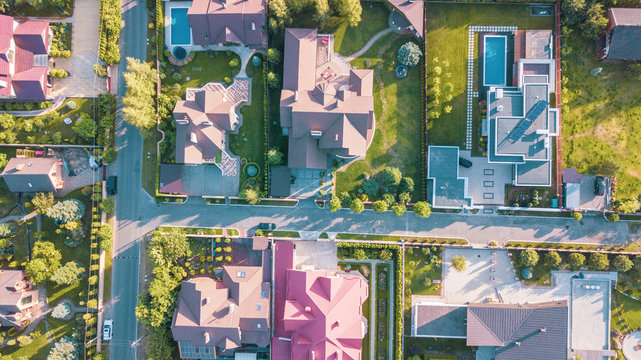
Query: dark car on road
[(464, 162), (112, 185), (599, 185), (267, 226)]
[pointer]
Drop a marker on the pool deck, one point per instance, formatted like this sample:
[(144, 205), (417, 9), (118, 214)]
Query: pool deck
[(175, 5)]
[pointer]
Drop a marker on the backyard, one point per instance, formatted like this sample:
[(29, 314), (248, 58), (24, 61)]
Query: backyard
[(447, 40), (399, 113), (422, 271), (601, 115), (348, 40)]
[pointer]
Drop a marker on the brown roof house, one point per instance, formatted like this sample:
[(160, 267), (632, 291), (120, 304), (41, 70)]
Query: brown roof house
[(24, 49), (623, 35), (33, 175), (18, 296), (412, 10), (218, 22), (215, 318), (325, 108)]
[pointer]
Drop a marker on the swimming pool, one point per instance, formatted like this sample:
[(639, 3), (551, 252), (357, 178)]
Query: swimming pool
[(180, 30), (494, 60)]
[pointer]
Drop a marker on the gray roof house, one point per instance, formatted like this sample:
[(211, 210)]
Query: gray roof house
[(17, 297), (623, 35), (325, 109), (215, 22), (30, 175), (448, 189)]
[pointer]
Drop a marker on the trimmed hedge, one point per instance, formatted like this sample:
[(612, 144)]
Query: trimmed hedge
[(110, 25)]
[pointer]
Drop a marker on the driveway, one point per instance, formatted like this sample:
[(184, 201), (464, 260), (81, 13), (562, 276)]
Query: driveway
[(208, 180), (84, 54)]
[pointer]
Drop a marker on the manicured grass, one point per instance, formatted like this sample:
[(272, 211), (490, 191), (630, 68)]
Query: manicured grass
[(83, 105), (249, 143), (348, 40), (22, 8), (382, 292), (37, 350), (203, 69), (291, 234), (626, 315), (601, 116), (397, 141), (419, 267), (7, 198), (447, 39), (437, 349), (150, 160), (188, 230)]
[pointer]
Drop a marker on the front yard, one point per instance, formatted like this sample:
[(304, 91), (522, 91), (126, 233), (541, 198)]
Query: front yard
[(447, 40), (398, 107), (601, 116)]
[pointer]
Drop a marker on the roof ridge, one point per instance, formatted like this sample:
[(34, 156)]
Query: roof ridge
[(485, 326), (530, 311)]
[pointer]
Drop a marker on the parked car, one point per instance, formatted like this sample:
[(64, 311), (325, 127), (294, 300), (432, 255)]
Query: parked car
[(107, 329), (599, 185), (464, 162), (112, 185), (267, 226)]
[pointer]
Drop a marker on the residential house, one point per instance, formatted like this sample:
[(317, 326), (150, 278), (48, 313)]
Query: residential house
[(412, 10), (325, 108), (318, 313), (218, 317), (18, 297), (24, 48), (31, 175), (623, 35), (220, 22)]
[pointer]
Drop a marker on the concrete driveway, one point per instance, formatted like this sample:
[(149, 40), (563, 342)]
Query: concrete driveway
[(84, 54), (208, 180)]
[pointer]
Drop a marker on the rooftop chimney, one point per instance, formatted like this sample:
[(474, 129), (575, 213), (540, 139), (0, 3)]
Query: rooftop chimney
[(253, 26), (543, 329), (308, 309), (296, 95), (206, 337)]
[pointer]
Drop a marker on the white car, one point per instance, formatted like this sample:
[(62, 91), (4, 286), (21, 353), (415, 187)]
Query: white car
[(107, 329)]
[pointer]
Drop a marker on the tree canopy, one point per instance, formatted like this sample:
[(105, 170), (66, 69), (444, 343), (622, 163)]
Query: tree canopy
[(622, 263), (357, 206), (65, 211), (334, 204), (45, 260), (68, 274), (139, 109), (85, 127), (380, 206), (165, 248), (409, 54), (41, 202), (459, 263), (553, 259), (422, 209), (390, 176), (576, 260), (529, 258), (598, 261)]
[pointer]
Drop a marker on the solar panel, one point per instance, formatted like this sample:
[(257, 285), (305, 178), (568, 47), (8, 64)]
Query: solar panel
[(527, 121)]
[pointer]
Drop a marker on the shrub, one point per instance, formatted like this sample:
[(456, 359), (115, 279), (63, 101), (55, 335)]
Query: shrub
[(612, 217), (71, 105), (65, 211), (273, 56), (334, 204), (529, 258), (409, 54), (422, 209), (100, 70), (61, 311), (459, 263), (58, 73), (227, 80), (107, 205), (68, 274), (370, 186), (64, 349), (577, 216), (6, 230), (60, 53), (274, 156), (273, 80), (390, 176), (399, 209), (380, 206), (93, 279), (233, 62), (357, 206)]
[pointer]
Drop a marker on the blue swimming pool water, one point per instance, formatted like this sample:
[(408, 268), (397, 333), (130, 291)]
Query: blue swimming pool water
[(494, 66), (180, 31)]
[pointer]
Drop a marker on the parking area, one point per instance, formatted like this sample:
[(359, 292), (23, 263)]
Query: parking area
[(319, 254), (486, 181), (589, 199), (307, 183), (207, 180)]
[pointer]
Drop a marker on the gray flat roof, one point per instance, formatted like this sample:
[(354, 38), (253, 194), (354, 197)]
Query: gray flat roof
[(534, 173), (448, 190), (441, 320)]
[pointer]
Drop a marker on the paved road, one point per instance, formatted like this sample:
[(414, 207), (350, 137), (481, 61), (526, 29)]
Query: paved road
[(128, 167)]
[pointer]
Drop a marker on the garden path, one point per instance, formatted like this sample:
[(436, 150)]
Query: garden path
[(369, 43), (57, 102)]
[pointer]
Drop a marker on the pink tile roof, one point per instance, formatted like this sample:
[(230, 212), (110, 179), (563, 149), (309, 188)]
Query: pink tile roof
[(218, 21), (413, 11), (320, 311), (28, 82)]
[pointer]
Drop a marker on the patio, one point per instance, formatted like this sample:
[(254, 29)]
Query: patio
[(486, 181), (632, 346)]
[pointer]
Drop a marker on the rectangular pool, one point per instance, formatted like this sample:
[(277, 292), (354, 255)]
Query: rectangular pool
[(494, 60), (180, 30)]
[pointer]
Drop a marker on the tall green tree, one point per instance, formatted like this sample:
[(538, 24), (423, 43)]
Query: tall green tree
[(595, 21), (68, 274), (141, 79), (41, 202), (422, 209), (598, 261), (553, 259), (349, 10), (279, 14), (529, 258), (66, 211), (576, 260), (622, 263), (85, 128), (165, 248), (45, 260)]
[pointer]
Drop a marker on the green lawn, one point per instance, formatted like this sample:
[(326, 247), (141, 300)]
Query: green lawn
[(249, 143), (447, 39), (625, 314), (7, 198), (409, 239), (420, 266), (207, 66), (437, 349), (397, 141), (601, 117), (150, 160), (348, 40), (382, 292)]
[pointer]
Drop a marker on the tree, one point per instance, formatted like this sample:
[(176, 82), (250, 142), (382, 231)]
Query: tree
[(386, 255), (105, 233), (322, 14), (409, 54), (6, 230), (334, 204), (38, 4), (357, 206), (406, 185), (41, 202), (380, 206), (622, 263), (595, 21), (628, 205), (7, 121), (274, 156), (573, 11), (45, 260), (107, 205), (252, 195), (529, 258), (553, 259), (273, 80), (459, 263), (165, 248), (139, 109), (390, 176), (85, 127), (65, 211), (370, 186), (3, 160), (399, 209), (576, 260), (422, 209), (404, 198), (279, 14), (68, 274), (61, 311), (349, 10), (577, 216), (162, 345), (273, 55), (109, 155), (390, 199), (598, 261), (64, 349)]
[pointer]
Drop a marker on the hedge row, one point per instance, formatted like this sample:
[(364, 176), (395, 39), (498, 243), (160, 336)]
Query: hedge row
[(266, 123), (398, 289), (160, 33), (110, 25)]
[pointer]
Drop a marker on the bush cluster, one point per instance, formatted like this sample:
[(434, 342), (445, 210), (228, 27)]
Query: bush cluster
[(111, 23)]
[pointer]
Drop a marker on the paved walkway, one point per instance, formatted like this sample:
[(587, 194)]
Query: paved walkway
[(57, 102), (369, 43), (85, 41)]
